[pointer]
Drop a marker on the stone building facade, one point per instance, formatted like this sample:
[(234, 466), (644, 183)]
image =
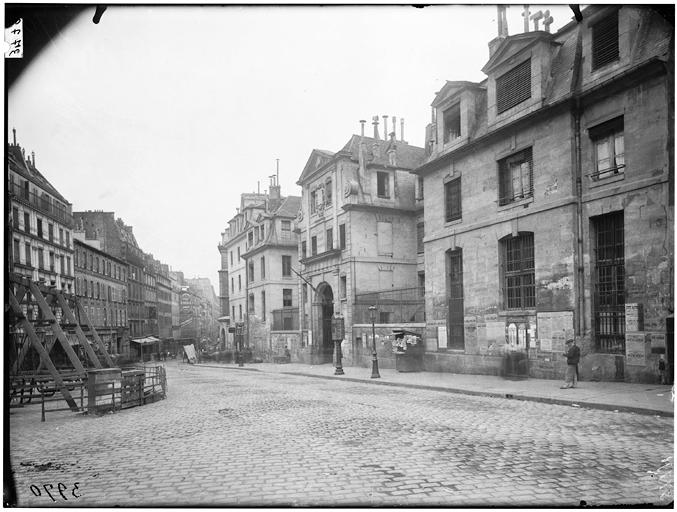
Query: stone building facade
[(357, 243), (101, 288), (271, 251), (548, 204), (40, 225)]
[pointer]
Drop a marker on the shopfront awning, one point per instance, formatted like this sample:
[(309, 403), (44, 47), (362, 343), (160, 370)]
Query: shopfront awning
[(148, 340)]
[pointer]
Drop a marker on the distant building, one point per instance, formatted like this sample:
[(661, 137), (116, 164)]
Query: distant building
[(549, 209), (164, 301), (101, 288), (40, 225), (118, 239), (357, 244), (271, 248)]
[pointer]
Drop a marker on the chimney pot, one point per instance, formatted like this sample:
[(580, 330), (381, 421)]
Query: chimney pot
[(362, 122), (374, 121)]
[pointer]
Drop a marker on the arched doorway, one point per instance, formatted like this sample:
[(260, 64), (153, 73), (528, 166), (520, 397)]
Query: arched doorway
[(323, 310)]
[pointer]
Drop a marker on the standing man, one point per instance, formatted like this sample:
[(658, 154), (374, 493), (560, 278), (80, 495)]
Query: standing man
[(573, 354)]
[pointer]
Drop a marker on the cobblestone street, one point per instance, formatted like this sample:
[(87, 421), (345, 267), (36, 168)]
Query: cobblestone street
[(228, 437)]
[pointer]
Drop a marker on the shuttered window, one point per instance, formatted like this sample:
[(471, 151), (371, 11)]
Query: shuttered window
[(605, 41), (452, 199), (513, 87), (515, 176)]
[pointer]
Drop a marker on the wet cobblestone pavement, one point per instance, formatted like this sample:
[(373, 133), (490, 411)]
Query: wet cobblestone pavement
[(236, 438)]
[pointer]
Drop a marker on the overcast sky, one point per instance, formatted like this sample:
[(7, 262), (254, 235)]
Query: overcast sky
[(165, 114)]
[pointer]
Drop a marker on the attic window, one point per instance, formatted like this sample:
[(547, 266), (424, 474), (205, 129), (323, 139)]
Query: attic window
[(382, 185), (513, 87), (605, 41), (452, 123)]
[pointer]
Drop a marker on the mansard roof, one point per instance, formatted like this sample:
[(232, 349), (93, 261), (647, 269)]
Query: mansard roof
[(406, 156), (25, 168), (318, 158)]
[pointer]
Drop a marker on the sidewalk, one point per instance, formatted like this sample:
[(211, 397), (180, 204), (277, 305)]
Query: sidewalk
[(615, 396)]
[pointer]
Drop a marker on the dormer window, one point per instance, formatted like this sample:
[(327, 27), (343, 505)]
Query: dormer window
[(513, 87), (452, 123), (382, 184), (605, 41)]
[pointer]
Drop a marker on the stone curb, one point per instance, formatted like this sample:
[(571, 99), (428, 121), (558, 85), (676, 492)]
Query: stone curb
[(509, 396)]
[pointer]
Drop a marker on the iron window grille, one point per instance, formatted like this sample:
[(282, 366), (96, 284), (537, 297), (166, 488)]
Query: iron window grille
[(609, 290), (513, 87), (608, 139), (286, 298), (605, 41), (452, 122), (286, 229), (519, 283), (455, 300), (515, 177), (452, 200)]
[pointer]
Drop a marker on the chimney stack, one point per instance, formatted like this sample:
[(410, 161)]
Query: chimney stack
[(402, 129), (374, 121), (395, 126), (362, 121), (14, 135), (385, 127), (33, 157)]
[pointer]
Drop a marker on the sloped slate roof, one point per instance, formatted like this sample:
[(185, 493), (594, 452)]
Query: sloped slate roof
[(290, 207), (28, 171), (407, 156)]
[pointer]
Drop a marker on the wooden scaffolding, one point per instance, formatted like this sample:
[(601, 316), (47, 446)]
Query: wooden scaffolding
[(38, 317)]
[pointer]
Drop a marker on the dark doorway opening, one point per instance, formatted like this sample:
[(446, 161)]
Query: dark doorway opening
[(324, 310)]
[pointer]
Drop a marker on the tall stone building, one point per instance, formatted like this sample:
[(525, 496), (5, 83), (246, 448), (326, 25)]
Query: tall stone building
[(357, 244), (548, 204), (40, 225), (101, 287), (117, 239), (271, 248), (233, 244)]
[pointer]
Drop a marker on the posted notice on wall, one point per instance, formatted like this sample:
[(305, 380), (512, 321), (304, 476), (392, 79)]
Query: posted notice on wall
[(554, 327), (442, 336), (635, 348)]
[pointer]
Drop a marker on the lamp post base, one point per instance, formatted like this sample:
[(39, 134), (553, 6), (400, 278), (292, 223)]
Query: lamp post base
[(374, 369)]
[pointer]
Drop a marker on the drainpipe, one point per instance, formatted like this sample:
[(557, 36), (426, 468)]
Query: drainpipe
[(580, 276)]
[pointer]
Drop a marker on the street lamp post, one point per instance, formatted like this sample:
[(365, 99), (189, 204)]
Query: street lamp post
[(374, 359), (338, 333)]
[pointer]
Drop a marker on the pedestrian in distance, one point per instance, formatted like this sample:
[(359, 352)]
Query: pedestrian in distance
[(573, 354)]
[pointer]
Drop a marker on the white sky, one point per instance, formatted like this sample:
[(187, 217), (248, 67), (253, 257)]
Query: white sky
[(165, 114)]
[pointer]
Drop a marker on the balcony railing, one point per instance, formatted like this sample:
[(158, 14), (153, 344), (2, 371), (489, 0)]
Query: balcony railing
[(286, 319), (41, 204)]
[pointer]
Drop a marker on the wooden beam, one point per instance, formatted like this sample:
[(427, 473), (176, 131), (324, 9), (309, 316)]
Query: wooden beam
[(56, 329), (95, 335), (44, 356), (66, 310)]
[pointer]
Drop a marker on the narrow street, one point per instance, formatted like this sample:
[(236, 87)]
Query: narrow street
[(228, 437)]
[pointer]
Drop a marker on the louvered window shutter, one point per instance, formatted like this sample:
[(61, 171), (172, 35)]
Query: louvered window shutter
[(513, 87), (605, 41)]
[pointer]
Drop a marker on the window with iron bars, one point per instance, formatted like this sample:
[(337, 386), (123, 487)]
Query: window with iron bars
[(513, 87), (519, 283), (605, 41), (515, 177), (609, 286)]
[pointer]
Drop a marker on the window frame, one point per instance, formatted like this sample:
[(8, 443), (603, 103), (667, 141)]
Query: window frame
[(287, 297), (517, 260), (286, 265), (453, 210), (451, 115), (608, 132), (506, 178), (383, 184)]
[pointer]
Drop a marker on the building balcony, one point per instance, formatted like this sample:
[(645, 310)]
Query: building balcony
[(59, 214)]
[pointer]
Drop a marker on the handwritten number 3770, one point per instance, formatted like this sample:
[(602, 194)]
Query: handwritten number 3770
[(60, 487)]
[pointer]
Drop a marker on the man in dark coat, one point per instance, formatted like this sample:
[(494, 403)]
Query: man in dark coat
[(573, 355)]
